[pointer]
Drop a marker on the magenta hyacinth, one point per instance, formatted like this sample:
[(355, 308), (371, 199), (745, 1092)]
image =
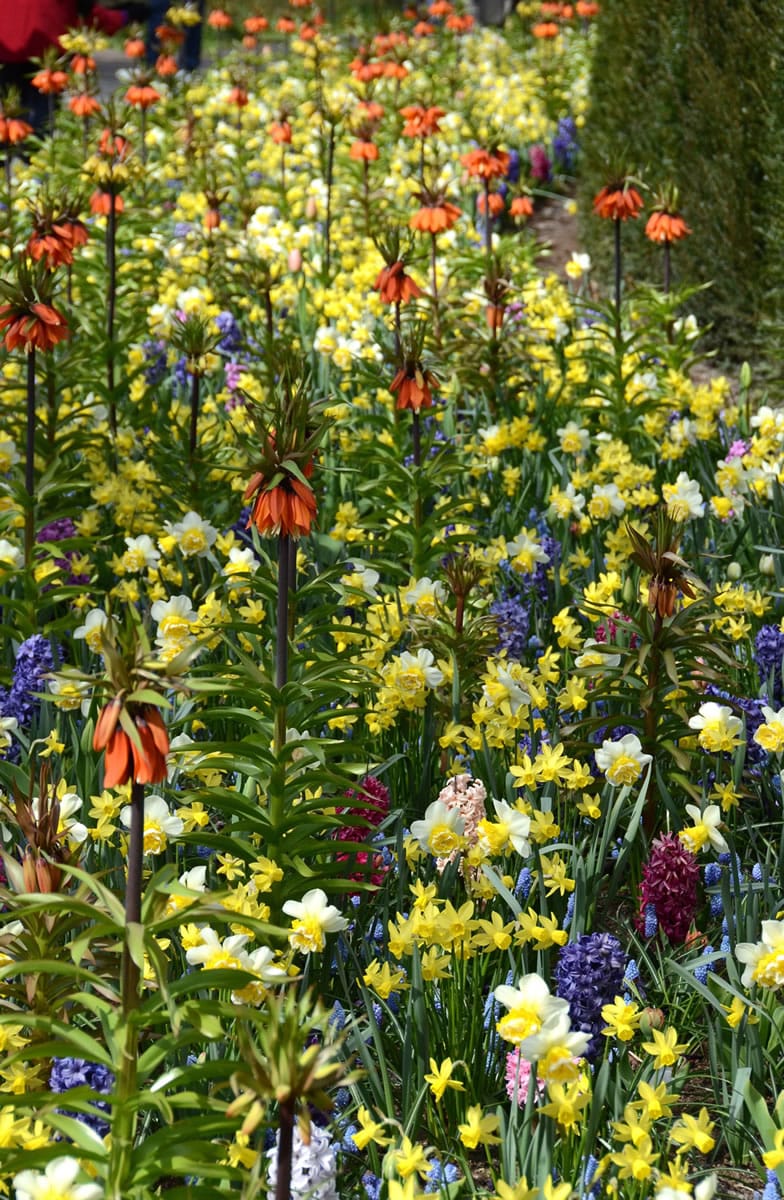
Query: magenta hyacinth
[(366, 809), (668, 890)]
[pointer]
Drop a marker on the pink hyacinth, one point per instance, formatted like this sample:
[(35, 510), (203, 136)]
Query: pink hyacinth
[(520, 1078), (468, 796)]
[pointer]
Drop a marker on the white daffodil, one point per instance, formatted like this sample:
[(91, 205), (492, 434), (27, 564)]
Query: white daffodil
[(770, 735), (96, 625), (140, 554), (216, 954), (361, 578), (683, 498), (425, 595), (441, 831), (510, 828), (592, 659), (719, 729), (606, 501), (764, 959), (530, 1006), (58, 1181), (312, 917), (8, 725), (524, 552), (159, 824), (10, 555), (418, 670), (193, 535), (70, 804), (622, 761), (705, 830), (241, 563), (573, 438)]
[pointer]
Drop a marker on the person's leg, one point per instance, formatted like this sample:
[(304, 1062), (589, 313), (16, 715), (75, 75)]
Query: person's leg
[(190, 55), (157, 17)]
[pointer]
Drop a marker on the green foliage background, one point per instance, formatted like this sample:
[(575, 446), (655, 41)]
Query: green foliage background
[(692, 91)]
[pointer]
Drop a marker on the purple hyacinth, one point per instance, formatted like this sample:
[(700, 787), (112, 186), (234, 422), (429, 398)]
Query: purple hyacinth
[(565, 144), (231, 335), (155, 359), (68, 1073), (769, 652), (589, 975), (513, 626), (59, 531), (34, 660)]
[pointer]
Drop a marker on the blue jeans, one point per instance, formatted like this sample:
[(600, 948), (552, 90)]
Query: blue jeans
[(190, 51)]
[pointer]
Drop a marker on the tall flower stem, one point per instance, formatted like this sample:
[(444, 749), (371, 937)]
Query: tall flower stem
[(618, 274), (51, 407), (123, 1114), (278, 778), (488, 225), (328, 219), (366, 194), (434, 276), (143, 135), (285, 1149), (111, 300), (9, 199), (667, 268), (283, 173), (195, 388), (30, 459)]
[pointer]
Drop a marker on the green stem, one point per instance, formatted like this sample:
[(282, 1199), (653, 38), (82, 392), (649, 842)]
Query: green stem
[(278, 776), (123, 1111), (285, 1150), (30, 459)]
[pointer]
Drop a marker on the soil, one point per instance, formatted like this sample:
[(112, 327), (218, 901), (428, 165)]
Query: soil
[(556, 228)]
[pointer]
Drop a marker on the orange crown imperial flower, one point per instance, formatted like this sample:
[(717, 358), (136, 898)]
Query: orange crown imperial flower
[(395, 286), (287, 507), (421, 121), (37, 326), (665, 226), (414, 386), (435, 214), (485, 164), (618, 201), (138, 754), (142, 95)]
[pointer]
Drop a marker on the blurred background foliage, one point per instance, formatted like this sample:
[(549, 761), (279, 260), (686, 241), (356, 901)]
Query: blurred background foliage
[(692, 91)]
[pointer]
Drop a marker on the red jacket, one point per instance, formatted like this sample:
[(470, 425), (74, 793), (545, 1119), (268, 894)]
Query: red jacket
[(27, 27)]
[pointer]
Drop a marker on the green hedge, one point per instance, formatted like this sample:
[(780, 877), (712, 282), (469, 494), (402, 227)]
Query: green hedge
[(692, 91)]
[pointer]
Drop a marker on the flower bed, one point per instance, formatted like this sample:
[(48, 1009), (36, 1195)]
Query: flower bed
[(392, 716)]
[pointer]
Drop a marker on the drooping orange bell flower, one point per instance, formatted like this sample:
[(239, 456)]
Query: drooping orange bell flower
[(219, 19), (363, 151), (495, 204), (421, 121), (50, 82), (287, 508), (521, 208), (435, 217), (414, 387), (485, 164), (84, 105), (34, 326), (142, 95), (286, 25), (664, 226), (13, 130), (460, 23), (134, 48), (280, 132), (124, 760), (101, 204), (82, 64), (256, 24), (618, 201), (395, 286)]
